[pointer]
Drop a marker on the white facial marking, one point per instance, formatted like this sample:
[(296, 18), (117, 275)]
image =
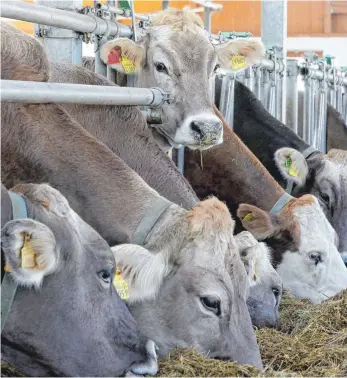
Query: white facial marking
[(301, 275)]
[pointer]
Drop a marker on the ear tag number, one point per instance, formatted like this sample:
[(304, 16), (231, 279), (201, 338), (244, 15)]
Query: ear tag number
[(121, 285), (237, 62), (128, 65)]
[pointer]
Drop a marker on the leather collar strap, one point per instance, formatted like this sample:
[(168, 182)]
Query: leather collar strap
[(149, 220), (279, 205), (306, 153), (8, 285)]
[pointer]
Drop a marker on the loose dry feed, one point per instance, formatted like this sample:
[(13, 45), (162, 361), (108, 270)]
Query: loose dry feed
[(311, 341)]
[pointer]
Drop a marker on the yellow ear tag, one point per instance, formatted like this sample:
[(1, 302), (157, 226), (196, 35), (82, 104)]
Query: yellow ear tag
[(237, 62), (7, 268), (293, 172), (121, 285), (248, 217), (27, 253), (128, 65)]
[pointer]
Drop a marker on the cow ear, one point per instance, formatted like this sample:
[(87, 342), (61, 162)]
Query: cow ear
[(142, 270), (30, 251), (292, 165), (239, 53), (256, 221), (124, 55), (247, 243)]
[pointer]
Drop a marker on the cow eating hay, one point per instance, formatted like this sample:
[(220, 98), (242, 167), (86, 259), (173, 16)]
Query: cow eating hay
[(311, 341)]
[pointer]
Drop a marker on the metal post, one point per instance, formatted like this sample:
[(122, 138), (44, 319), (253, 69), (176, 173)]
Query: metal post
[(180, 160), (111, 73), (165, 4), (292, 94), (308, 111), (61, 45), (344, 100), (321, 134), (339, 94), (274, 33), (207, 19), (226, 104), (258, 83)]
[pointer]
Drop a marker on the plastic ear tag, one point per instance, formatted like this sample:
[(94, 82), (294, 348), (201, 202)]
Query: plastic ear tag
[(293, 172), (128, 65), (248, 217), (27, 253), (7, 268), (288, 162), (237, 62), (121, 285), (113, 57)]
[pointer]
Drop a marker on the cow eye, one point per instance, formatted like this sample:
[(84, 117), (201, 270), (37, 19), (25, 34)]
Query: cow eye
[(216, 68), (325, 198), (106, 275), (211, 304), (277, 293), (160, 67), (316, 257)]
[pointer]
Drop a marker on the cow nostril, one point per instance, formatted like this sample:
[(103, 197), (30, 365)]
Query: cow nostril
[(195, 126)]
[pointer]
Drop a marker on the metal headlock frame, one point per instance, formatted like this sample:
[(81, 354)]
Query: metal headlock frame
[(324, 83)]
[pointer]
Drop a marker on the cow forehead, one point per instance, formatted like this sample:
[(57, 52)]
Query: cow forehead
[(316, 231), (196, 44), (335, 171)]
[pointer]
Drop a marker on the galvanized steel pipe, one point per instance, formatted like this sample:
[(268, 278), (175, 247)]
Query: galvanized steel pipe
[(313, 71), (226, 104), (38, 14), (38, 92)]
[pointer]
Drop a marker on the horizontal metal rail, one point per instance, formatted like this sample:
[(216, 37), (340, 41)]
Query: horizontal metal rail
[(314, 72), (38, 92), (38, 14), (126, 13)]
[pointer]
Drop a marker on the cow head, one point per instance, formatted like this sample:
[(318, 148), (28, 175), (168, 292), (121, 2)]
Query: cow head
[(303, 245), (265, 283), (177, 56), (324, 176), (66, 308), (191, 289)]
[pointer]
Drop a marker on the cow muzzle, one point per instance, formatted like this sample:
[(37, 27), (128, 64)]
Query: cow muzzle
[(147, 367)]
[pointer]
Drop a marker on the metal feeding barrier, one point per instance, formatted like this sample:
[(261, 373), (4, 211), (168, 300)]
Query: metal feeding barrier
[(62, 26)]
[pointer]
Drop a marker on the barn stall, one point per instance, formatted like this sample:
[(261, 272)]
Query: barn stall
[(63, 28)]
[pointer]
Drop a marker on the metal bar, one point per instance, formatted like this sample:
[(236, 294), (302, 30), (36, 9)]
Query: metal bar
[(126, 13), (207, 19), (274, 33), (100, 66), (62, 19), (308, 111), (226, 105), (292, 95), (208, 4), (166, 4), (61, 45), (322, 122), (180, 160), (38, 92), (314, 72)]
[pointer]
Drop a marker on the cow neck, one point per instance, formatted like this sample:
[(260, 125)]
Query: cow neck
[(123, 129), (232, 173), (100, 187)]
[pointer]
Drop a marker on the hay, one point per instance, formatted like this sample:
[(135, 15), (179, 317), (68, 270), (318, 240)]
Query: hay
[(311, 341)]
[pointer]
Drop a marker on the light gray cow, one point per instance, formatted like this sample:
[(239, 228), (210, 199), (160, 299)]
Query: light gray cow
[(66, 318), (265, 283), (176, 55), (187, 297)]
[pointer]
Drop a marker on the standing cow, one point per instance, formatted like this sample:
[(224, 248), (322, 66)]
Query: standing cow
[(176, 55)]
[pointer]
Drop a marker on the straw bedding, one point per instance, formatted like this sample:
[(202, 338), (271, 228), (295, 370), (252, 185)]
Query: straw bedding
[(311, 341)]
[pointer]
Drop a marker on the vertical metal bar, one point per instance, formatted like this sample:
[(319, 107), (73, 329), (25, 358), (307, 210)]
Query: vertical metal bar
[(308, 111), (339, 94), (274, 33), (100, 67), (321, 142), (271, 107), (61, 45), (111, 73), (226, 105), (279, 91), (180, 160), (292, 95), (345, 106), (165, 4), (207, 19), (258, 83), (249, 78)]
